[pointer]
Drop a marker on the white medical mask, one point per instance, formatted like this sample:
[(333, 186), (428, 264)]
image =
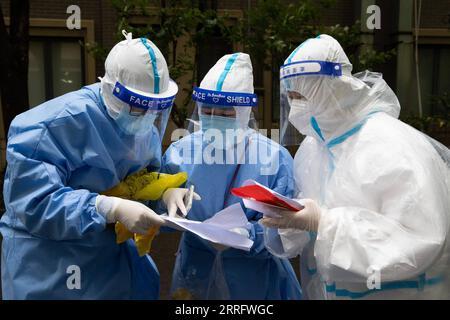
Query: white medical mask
[(299, 115), (299, 104), (219, 123)]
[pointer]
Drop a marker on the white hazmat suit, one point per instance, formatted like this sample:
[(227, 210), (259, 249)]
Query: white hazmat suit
[(382, 187)]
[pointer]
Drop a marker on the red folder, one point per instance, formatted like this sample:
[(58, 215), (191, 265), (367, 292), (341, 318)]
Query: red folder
[(260, 194)]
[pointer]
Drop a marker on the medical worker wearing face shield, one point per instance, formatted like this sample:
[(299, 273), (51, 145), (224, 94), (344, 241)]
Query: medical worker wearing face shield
[(208, 271), (375, 191), (61, 155)]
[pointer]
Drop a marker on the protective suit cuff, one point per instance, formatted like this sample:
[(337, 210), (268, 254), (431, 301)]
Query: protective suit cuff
[(325, 220), (251, 228), (104, 206), (256, 234), (293, 240)]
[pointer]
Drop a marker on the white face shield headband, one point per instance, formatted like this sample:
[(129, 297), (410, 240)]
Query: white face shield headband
[(226, 113), (295, 115), (136, 89), (141, 112)]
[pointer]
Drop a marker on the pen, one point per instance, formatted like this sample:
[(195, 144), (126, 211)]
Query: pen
[(188, 198)]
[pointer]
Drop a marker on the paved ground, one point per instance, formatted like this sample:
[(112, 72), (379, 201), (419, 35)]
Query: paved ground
[(163, 252)]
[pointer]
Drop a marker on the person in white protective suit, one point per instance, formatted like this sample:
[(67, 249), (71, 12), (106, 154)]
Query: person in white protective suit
[(375, 191)]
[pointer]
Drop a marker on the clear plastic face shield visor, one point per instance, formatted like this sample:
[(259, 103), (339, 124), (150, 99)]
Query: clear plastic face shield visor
[(222, 110), (142, 112), (293, 99)]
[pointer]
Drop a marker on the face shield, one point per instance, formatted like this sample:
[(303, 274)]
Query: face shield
[(228, 114), (137, 90), (296, 97), (142, 112)]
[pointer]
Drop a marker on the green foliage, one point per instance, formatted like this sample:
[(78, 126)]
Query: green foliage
[(272, 29), (269, 32), (175, 20), (95, 49), (275, 29), (360, 57), (440, 120)]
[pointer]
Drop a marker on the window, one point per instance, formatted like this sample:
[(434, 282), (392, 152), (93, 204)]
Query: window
[(434, 66), (56, 66)]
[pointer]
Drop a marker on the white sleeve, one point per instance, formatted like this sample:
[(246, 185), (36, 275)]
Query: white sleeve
[(285, 243), (405, 233)]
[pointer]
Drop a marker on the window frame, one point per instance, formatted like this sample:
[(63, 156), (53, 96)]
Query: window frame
[(436, 56), (432, 38), (48, 59), (57, 28)]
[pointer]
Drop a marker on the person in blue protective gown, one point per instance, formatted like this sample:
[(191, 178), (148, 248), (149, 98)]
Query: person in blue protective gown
[(58, 232), (204, 270)]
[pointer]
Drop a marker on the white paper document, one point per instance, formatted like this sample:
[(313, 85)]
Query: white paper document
[(266, 209), (216, 229)]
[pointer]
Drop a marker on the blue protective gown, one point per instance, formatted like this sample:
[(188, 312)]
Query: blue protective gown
[(60, 155), (245, 275)]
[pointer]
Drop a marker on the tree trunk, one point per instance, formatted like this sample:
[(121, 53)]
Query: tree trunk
[(14, 61)]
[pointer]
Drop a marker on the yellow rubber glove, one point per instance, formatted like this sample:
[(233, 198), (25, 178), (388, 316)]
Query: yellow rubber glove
[(143, 186), (122, 233), (144, 242), (160, 182)]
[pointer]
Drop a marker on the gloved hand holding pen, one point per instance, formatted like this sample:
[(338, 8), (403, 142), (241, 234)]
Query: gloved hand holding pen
[(179, 199)]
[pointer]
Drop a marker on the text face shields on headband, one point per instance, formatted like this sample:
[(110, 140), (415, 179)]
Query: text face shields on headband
[(140, 101), (224, 99)]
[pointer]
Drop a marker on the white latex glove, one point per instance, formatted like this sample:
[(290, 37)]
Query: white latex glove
[(134, 215), (242, 231), (306, 219), (173, 198)]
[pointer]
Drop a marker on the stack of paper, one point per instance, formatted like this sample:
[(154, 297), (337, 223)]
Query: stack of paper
[(216, 229)]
